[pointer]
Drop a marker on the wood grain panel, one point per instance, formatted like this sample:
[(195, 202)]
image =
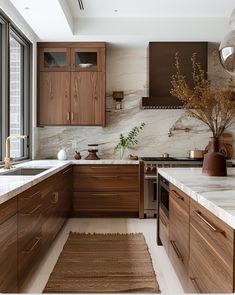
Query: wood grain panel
[(104, 169), (86, 99), (54, 97), (208, 273), (8, 209), (218, 234), (164, 229), (103, 201), (8, 256), (179, 234)]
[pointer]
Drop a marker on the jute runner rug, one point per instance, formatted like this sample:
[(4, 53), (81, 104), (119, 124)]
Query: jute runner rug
[(103, 263)]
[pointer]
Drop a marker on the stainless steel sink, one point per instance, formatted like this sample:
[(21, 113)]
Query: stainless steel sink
[(25, 171)]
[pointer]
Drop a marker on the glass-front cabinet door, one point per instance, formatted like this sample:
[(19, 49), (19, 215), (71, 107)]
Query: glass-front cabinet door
[(55, 59), (85, 59)]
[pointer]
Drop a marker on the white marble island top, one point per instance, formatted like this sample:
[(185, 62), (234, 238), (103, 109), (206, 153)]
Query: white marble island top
[(217, 194)]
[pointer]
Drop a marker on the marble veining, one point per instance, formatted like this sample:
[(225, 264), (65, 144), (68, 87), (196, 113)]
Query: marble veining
[(217, 194), (126, 70)]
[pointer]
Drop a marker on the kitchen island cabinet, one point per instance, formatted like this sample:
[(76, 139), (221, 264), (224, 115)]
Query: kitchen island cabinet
[(202, 228), (106, 190)]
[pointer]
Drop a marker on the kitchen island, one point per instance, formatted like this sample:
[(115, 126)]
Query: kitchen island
[(197, 229)]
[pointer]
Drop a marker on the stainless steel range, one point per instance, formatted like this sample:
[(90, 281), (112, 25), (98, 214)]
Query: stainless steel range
[(151, 164)]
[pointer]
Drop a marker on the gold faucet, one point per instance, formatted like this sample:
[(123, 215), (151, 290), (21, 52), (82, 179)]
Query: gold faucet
[(7, 159)]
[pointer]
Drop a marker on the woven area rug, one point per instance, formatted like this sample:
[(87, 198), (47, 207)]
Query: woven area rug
[(103, 263)]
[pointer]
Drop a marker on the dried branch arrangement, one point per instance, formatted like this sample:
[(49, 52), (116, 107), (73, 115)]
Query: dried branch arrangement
[(214, 105)]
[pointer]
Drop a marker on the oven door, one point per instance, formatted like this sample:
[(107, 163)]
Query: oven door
[(150, 196)]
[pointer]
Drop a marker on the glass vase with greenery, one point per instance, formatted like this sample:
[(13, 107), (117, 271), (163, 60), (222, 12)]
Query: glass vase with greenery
[(128, 141)]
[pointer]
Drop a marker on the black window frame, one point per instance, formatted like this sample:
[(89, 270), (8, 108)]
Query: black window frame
[(9, 28)]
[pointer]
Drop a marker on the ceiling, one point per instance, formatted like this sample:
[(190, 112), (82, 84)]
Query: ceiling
[(152, 8), (127, 21)]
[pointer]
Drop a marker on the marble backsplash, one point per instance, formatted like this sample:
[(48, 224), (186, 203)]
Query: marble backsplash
[(126, 70)]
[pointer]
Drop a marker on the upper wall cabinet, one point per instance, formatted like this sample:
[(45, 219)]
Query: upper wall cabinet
[(71, 84), (54, 59)]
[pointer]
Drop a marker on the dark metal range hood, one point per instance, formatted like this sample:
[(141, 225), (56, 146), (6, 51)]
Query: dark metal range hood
[(161, 67)]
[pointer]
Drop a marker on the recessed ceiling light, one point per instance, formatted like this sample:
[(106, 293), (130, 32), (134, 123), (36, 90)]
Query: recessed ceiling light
[(115, 10), (26, 8)]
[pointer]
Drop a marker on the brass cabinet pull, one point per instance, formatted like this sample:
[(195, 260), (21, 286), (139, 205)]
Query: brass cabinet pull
[(66, 171), (56, 198), (176, 250), (105, 176), (31, 196), (162, 220), (177, 195), (105, 167), (72, 116), (104, 195), (31, 212), (207, 222), (68, 116), (195, 285), (37, 240)]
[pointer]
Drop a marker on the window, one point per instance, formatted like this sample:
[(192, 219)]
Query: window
[(15, 89)]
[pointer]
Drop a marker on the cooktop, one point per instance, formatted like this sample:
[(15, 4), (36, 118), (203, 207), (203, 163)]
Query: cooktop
[(168, 159)]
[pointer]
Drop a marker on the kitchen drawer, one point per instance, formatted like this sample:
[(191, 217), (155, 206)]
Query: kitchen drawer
[(179, 234), (8, 209), (104, 169), (28, 258), (216, 233), (209, 271), (29, 196), (180, 197), (29, 223), (8, 256), (103, 201), (164, 229), (109, 182)]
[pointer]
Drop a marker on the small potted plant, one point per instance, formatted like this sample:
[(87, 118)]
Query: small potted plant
[(128, 141)]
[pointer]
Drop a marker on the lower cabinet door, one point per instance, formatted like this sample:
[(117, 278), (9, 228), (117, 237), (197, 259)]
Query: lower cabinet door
[(8, 256), (208, 272)]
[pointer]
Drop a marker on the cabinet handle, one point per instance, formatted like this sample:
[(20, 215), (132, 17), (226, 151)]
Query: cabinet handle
[(105, 195), (66, 171), (56, 198), (31, 196), (68, 116), (195, 285), (211, 226), (31, 212), (100, 167), (162, 220), (177, 195), (105, 176), (37, 240), (177, 250), (72, 116)]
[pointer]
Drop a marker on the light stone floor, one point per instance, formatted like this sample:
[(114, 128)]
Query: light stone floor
[(165, 273)]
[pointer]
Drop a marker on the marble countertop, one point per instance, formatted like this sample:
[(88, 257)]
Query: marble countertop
[(12, 185), (217, 194)]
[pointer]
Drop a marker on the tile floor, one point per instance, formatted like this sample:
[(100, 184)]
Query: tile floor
[(165, 273)]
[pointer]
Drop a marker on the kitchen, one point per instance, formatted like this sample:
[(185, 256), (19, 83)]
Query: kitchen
[(167, 132)]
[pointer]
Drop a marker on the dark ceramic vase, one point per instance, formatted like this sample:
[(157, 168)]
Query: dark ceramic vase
[(214, 163)]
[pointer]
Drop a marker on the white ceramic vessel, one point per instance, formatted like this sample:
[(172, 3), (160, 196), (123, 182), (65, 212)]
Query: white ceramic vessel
[(62, 155)]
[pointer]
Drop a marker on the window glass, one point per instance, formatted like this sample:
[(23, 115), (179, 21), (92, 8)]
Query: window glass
[(16, 99)]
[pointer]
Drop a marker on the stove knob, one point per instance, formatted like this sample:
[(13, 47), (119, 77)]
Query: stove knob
[(154, 168), (147, 168)]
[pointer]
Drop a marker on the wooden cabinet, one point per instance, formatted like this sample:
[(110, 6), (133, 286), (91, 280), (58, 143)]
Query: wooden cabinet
[(179, 233), (106, 190), (43, 209), (8, 247), (211, 265), (71, 84), (164, 229)]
